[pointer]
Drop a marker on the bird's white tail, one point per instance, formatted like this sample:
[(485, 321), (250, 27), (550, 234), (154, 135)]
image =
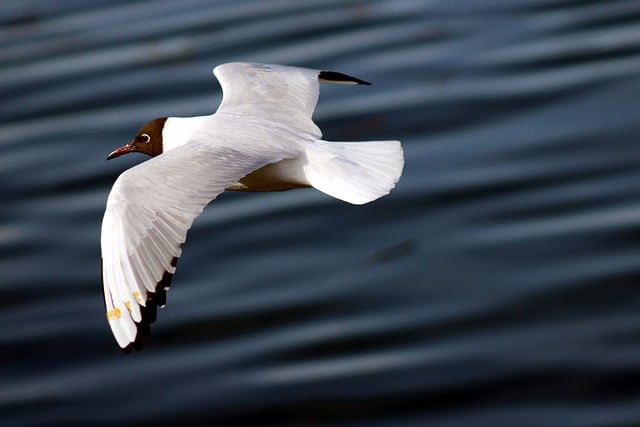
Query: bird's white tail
[(356, 172)]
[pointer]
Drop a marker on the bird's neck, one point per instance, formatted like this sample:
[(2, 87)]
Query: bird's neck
[(178, 130)]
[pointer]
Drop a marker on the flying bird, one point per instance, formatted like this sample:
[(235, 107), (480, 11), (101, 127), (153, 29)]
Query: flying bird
[(261, 138)]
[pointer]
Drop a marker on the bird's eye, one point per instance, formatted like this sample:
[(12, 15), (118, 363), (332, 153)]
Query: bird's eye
[(145, 138)]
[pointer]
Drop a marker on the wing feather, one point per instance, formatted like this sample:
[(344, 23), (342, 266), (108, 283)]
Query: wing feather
[(281, 94), (149, 211)]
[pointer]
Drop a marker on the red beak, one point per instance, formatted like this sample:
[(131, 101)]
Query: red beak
[(120, 151)]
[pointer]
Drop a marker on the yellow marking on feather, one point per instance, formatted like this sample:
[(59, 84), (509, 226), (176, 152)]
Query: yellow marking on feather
[(138, 297), (113, 313)]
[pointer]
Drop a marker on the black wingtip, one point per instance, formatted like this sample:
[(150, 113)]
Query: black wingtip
[(335, 77), (150, 310)]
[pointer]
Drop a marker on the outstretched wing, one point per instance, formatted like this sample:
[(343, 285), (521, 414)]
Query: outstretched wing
[(278, 93), (149, 211)]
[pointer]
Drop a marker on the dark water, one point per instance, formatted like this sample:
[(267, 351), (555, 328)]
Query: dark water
[(498, 285)]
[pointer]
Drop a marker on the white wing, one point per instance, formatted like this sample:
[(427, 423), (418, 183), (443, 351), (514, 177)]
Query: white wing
[(278, 93), (149, 211)]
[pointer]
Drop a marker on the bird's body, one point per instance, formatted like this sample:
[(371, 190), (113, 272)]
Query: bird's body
[(248, 135), (261, 138)]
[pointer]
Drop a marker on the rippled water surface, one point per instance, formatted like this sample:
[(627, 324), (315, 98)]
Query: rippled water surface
[(497, 285)]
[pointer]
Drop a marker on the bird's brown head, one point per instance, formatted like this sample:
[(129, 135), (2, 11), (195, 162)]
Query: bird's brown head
[(148, 140)]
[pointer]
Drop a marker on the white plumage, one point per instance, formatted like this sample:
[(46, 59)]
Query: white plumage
[(261, 138)]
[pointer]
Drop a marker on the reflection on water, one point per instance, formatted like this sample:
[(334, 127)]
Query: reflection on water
[(497, 285)]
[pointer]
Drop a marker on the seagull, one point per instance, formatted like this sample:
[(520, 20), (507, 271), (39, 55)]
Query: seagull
[(261, 138)]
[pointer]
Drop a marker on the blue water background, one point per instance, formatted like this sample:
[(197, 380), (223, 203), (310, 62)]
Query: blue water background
[(497, 285)]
